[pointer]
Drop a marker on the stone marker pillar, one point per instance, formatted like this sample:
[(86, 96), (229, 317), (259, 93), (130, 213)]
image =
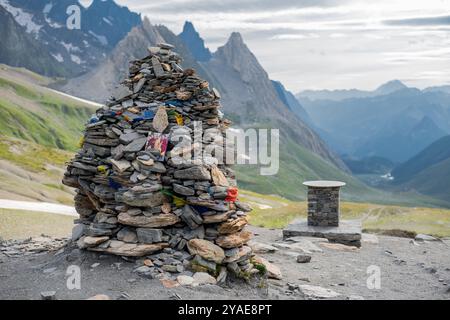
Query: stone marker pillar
[(323, 203), (323, 216)]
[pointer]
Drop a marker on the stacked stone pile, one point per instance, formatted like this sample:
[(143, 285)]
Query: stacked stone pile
[(138, 195)]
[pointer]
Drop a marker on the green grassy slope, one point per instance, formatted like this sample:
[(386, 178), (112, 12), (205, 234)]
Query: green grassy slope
[(433, 181), (34, 113), (430, 156)]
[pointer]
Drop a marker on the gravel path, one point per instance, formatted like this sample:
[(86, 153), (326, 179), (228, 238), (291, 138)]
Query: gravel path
[(408, 270)]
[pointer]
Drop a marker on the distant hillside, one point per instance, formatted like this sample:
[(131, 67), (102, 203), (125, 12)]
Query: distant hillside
[(369, 165), (291, 102), (432, 155), (31, 112), (338, 95), (395, 126), (432, 181)]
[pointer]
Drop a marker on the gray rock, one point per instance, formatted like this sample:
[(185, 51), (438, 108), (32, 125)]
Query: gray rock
[(303, 258), (196, 173), (209, 265), (185, 191), (202, 278), (148, 235), (191, 218), (127, 235), (50, 270), (48, 295), (316, 292), (130, 137), (136, 145), (78, 231), (425, 237)]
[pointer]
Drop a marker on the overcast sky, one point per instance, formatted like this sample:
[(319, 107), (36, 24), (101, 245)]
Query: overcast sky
[(330, 44)]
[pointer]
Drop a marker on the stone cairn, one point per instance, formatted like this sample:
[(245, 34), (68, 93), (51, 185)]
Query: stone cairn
[(134, 200)]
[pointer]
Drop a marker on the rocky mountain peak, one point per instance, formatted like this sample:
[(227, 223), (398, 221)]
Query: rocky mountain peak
[(236, 54), (194, 42), (390, 86)]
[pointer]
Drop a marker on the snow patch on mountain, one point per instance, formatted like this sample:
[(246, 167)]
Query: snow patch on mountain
[(107, 21), (48, 7), (22, 18), (101, 39), (75, 59), (58, 57), (70, 47)]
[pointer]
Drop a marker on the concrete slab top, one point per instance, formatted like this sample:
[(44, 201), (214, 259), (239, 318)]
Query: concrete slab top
[(324, 184)]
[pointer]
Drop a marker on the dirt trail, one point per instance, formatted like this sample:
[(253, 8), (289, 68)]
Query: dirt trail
[(408, 270)]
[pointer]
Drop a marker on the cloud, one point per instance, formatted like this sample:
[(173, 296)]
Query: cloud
[(420, 21), (212, 6), (322, 43)]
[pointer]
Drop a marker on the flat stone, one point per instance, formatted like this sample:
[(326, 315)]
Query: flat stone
[(191, 218), (193, 173), (262, 248), (242, 253), (99, 297), (155, 221), (130, 249), (324, 184), (369, 238), (317, 292), (127, 235), (201, 278), (185, 191), (78, 231), (348, 232), (273, 271), (303, 258), (120, 165), (130, 137), (48, 295), (304, 246), (200, 264), (122, 92), (149, 235), (234, 240), (157, 68), (144, 200), (425, 237), (169, 283), (339, 247), (185, 280), (216, 218), (86, 242), (232, 226), (136, 145), (206, 249), (161, 120), (218, 177)]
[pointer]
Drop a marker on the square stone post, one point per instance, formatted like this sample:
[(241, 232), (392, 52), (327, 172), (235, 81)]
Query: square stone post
[(323, 202)]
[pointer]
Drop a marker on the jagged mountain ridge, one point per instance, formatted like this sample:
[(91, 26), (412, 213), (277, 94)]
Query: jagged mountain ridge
[(194, 42), (342, 94), (18, 48), (250, 97), (73, 51)]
